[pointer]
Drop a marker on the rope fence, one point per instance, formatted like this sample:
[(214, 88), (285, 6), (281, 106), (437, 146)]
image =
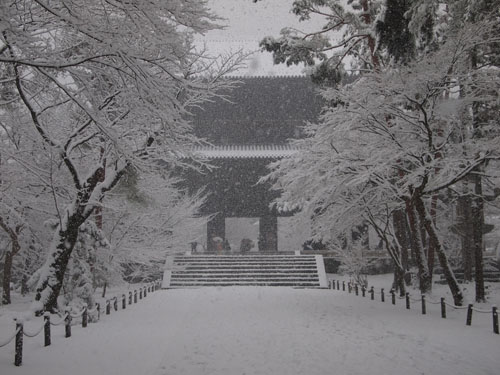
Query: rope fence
[(68, 317), (423, 300)]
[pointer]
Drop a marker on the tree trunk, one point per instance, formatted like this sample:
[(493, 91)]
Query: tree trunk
[(477, 203), (66, 235), (420, 258), (24, 280), (7, 275), (402, 235), (443, 260), (399, 281), (430, 245), (372, 43), (9, 257), (52, 275), (477, 231), (464, 230)]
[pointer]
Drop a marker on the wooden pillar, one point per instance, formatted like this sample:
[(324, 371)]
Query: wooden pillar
[(215, 228), (268, 233)]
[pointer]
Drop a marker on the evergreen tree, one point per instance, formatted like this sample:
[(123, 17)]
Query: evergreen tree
[(394, 33)]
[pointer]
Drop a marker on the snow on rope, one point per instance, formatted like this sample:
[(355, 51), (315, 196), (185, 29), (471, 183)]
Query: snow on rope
[(28, 334), (67, 318), (79, 314), (61, 321), (7, 342), (423, 299), (455, 307)]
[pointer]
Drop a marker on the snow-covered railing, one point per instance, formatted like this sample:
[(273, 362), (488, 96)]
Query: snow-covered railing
[(335, 284), (68, 317)]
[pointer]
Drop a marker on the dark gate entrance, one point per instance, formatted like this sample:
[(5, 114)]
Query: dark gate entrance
[(235, 191)]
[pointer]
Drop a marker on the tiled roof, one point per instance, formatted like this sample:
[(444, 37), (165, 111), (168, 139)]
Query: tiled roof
[(245, 151)]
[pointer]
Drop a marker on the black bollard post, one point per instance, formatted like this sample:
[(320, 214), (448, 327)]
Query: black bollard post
[(98, 307), (338, 285), (135, 296), (46, 328), (115, 303), (145, 292), (124, 301), (424, 307), (85, 317), (343, 286), (407, 300), (393, 297), (18, 357), (382, 295), (443, 308), (363, 291), (332, 283), (129, 297), (108, 307), (495, 319), (469, 315), (356, 289), (67, 324), (372, 293), (349, 287)]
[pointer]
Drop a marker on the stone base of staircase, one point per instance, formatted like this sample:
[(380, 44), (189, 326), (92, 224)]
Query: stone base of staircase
[(194, 271)]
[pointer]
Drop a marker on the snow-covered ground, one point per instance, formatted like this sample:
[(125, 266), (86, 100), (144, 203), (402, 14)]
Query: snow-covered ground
[(249, 330)]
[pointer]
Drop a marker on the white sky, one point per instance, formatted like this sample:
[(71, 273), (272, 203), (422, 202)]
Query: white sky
[(247, 23)]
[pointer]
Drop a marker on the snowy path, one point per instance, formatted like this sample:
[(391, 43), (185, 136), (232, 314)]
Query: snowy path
[(278, 331)]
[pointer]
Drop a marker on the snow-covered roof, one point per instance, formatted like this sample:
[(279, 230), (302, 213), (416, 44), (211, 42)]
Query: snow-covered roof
[(245, 151)]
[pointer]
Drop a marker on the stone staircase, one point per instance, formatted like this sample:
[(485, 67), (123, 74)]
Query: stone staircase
[(488, 275), (193, 271)]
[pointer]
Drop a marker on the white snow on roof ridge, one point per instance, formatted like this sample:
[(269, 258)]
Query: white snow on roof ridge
[(246, 151)]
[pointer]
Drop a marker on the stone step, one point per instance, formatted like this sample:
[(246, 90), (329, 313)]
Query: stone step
[(461, 281), (264, 270), (237, 256), (243, 282), (241, 266), (237, 276), (238, 260), (244, 271), (277, 283), (486, 274), (242, 261)]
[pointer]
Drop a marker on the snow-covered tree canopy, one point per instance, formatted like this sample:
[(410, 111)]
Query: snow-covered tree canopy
[(119, 69), (347, 35), (105, 85), (399, 135)]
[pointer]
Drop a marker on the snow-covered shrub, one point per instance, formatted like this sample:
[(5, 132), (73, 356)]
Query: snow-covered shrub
[(353, 263)]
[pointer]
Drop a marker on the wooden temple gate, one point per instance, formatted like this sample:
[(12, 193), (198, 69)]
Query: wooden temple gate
[(248, 133)]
